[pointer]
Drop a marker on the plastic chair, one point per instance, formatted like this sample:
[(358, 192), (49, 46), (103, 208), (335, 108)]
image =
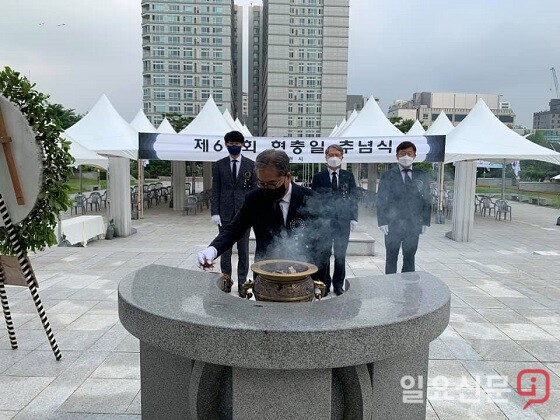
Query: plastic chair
[(501, 207), (191, 203), (80, 202), (94, 200), (486, 205)]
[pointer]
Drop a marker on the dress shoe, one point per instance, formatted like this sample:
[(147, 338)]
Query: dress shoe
[(326, 293), (338, 292)]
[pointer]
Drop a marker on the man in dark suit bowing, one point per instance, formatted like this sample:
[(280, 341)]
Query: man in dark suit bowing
[(403, 208), (337, 188), (279, 211), (232, 178)]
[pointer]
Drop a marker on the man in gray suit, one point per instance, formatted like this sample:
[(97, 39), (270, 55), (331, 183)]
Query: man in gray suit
[(232, 178)]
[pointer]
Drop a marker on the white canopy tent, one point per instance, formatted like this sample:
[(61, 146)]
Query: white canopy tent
[(370, 121), (83, 156), (416, 129), (104, 131), (243, 128), (482, 136), (166, 127), (441, 126), (230, 121), (142, 124)]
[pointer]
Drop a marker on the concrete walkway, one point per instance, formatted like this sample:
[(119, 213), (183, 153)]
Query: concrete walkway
[(505, 317)]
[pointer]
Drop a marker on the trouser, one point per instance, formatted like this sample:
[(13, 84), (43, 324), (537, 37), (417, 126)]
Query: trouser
[(337, 238), (243, 260), (393, 242)]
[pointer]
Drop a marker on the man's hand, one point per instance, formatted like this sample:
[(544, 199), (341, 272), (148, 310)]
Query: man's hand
[(424, 228), (384, 229), (353, 224), (216, 219), (205, 257)]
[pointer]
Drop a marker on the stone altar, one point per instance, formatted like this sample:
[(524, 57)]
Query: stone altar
[(205, 354)]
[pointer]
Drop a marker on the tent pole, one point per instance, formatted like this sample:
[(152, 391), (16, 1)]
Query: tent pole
[(140, 192), (504, 179), (440, 218), (80, 169)]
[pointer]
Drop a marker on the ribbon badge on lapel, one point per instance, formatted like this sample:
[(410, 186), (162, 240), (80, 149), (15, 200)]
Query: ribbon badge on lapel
[(246, 178)]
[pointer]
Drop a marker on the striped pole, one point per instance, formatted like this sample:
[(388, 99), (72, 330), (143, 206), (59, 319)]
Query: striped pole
[(29, 276), (6, 309)]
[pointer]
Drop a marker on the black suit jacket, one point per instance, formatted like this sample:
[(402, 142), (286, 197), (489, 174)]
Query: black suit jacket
[(405, 208), (227, 196), (258, 212), (342, 204)]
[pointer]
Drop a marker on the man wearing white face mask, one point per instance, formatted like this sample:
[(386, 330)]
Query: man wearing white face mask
[(403, 208), (338, 191)]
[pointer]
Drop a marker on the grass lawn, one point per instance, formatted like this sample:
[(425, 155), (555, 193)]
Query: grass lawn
[(497, 191)]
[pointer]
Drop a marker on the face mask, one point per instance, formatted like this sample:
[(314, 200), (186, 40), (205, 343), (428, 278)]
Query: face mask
[(234, 150), (334, 161), (276, 193), (406, 160)]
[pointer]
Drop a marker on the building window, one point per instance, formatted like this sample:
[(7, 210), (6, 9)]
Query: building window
[(159, 94)]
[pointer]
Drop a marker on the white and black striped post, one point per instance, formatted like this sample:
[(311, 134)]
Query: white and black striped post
[(6, 310), (29, 277)]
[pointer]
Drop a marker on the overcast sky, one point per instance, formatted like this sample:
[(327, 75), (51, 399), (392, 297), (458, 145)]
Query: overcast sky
[(77, 50)]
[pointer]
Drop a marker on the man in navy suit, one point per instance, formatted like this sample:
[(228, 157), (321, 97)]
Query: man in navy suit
[(279, 211), (337, 188), (232, 178), (403, 208)]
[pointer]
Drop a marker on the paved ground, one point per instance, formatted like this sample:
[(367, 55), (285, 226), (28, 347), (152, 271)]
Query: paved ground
[(505, 317)]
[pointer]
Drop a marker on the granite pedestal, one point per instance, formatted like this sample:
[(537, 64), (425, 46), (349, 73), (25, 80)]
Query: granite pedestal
[(205, 354)]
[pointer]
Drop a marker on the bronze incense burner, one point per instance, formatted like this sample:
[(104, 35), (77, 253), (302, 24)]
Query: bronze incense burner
[(284, 281)]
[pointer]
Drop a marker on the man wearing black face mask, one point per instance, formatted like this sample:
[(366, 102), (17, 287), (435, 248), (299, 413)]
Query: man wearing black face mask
[(232, 179), (279, 209)]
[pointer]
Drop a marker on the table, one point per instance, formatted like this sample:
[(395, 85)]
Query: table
[(79, 230)]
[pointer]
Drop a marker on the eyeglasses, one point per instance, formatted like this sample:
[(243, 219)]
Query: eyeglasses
[(270, 184)]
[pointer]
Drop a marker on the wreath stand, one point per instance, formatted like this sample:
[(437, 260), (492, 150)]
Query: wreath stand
[(16, 198)]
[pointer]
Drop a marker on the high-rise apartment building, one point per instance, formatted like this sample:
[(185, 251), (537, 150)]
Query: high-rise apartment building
[(426, 106), (190, 52), (255, 70), (302, 76)]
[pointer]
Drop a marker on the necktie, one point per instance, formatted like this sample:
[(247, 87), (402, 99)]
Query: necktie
[(407, 176), (334, 182), (234, 170), (278, 215)]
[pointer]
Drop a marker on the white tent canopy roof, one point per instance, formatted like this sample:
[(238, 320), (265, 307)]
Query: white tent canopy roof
[(83, 156), (342, 124), (209, 121), (441, 126), (482, 136), (416, 129), (229, 120), (104, 131), (142, 124), (347, 123), (166, 127), (371, 121), (243, 128)]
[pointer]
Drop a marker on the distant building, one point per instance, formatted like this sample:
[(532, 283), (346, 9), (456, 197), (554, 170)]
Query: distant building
[(548, 120), (254, 114), (302, 78), (189, 53), (354, 102), (426, 106)]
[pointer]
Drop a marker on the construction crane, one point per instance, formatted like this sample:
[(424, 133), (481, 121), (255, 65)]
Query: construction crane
[(555, 82)]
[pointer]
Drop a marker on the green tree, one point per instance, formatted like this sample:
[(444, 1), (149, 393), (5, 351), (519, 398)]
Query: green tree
[(65, 117), (535, 170), (36, 231), (178, 121), (403, 125)]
